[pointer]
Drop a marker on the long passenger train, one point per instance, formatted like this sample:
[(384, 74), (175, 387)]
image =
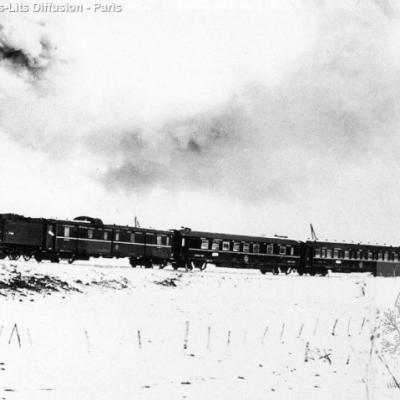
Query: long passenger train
[(85, 237)]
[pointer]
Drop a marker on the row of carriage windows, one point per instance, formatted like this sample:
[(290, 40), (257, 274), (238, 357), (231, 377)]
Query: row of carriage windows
[(244, 247), (356, 254), (160, 240)]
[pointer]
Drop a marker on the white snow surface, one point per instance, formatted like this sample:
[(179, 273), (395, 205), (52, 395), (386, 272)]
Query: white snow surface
[(217, 334)]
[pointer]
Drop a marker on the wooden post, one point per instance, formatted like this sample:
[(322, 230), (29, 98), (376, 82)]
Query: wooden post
[(186, 337), (265, 332), (208, 337), (348, 327), (362, 326), (300, 331), (334, 327), (283, 330), (15, 329)]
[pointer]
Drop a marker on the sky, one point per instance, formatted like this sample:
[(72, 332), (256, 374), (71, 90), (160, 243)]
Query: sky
[(254, 117)]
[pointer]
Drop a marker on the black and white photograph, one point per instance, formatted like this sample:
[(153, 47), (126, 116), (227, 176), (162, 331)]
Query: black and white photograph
[(199, 199)]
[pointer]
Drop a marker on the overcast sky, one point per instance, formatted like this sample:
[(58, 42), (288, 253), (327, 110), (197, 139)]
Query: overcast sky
[(253, 117)]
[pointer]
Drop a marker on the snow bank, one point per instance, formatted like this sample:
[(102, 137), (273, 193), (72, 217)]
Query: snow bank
[(221, 334)]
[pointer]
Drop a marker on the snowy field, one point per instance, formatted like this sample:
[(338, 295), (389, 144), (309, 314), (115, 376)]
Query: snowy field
[(112, 332)]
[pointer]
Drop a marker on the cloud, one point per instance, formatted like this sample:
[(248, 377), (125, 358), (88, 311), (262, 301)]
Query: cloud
[(337, 106), (26, 51), (258, 104)]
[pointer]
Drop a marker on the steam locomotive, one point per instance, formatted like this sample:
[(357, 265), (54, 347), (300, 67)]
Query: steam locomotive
[(86, 237)]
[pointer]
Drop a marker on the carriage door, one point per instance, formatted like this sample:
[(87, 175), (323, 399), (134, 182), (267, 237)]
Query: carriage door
[(50, 236)]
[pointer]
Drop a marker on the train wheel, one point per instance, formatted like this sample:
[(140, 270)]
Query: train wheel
[(188, 266), (71, 259), (38, 258), (201, 265), (263, 271), (27, 257), (275, 271), (288, 271), (14, 257), (300, 271)]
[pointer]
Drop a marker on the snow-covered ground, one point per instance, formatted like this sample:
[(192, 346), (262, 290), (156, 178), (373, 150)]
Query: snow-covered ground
[(219, 334)]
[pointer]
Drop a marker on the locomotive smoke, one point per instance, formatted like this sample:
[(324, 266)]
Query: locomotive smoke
[(263, 116)]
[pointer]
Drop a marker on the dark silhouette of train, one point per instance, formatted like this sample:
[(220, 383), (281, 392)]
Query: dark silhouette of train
[(85, 237)]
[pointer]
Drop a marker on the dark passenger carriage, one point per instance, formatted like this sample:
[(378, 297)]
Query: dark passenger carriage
[(145, 246), (80, 239), (351, 257), (194, 249), (87, 237)]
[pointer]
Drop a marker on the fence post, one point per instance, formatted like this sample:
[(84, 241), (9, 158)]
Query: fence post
[(334, 327), (15, 329), (186, 337), (265, 332)]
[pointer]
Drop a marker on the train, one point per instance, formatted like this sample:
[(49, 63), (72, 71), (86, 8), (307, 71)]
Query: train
[(85, 237)]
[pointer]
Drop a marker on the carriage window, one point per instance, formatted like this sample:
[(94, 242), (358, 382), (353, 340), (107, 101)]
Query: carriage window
[(347, 254), (215, 245), (323, 253), (335, 253), (292, 251), (168, 242), (270, 249), (246, 247), (236, 246), (159, 240), (132, 238), (67, 231), (116, 235), (282, 250), (204, 244), (386, 256), (380, 256), (105, 235), (256, 248), (225, 245), (370, 255), (90, 234), (329, 253), (317, 253)]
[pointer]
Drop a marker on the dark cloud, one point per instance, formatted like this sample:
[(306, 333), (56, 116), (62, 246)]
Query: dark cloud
[(21, 58)]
